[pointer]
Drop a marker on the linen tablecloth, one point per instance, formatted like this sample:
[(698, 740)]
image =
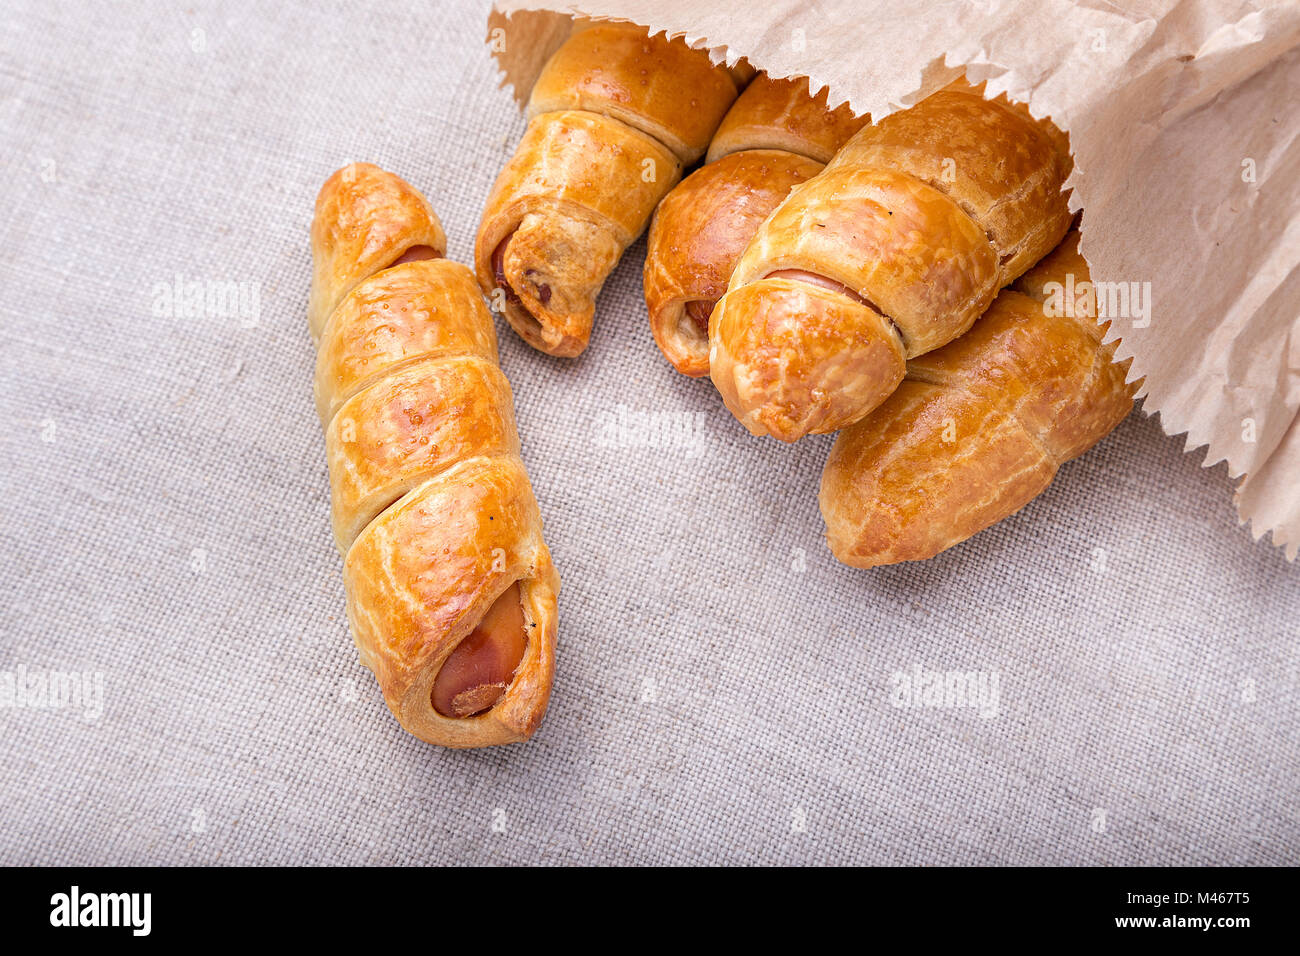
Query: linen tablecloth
[(726, 692)]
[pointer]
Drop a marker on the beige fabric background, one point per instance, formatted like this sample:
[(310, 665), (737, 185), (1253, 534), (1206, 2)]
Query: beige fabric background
[(724, 687)]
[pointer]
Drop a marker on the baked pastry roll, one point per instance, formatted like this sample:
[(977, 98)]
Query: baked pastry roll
[(451, 590), (612, 119), (892, 251), (773, 138), (979, 427)]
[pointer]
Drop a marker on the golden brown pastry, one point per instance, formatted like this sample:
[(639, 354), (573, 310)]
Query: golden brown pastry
[(612, 119), (892, 251), (979, 427), (451, 590), (774, 137)]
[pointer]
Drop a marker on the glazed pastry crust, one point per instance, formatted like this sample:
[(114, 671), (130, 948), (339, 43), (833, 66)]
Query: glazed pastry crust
[(1065, 260), (412, 312), (365, 220), (431, 504), (578, 190), (978, 429), (787, 329), (426, 571), (898, 243), (613, 117), (775, 137), (661, 87), (698, 233), (779, 114), (923, 217), (411, 424), (1002, 168)]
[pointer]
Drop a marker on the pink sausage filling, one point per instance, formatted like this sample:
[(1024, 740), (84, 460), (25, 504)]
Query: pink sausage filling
[(479, 670), (499, 270), (812, 278), (416, 254)]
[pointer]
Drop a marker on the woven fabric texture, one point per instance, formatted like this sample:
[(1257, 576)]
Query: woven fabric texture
[(726, 692)]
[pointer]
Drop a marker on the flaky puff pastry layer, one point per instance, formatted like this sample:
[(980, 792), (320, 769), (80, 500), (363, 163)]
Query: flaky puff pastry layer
[(613, 117), (365, 219), (698, 233), (424, 573), (780, 114), (977, 430), (774, 137), (659, 86), (411, 424), (577, 192), (921, 219), (431, 504), (409, 313), (790, 329)]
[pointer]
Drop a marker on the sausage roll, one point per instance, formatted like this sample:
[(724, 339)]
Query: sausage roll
[(612, 119), (979, 427), (450, 589), (895, 249), (775, 137)]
